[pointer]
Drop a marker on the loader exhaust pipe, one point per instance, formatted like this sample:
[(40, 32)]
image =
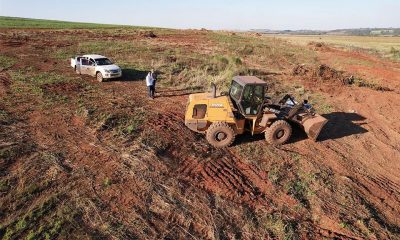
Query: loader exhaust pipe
[(213, 90)]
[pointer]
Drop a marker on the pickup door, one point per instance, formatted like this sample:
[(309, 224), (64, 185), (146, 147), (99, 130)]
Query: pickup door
[(88, 66)]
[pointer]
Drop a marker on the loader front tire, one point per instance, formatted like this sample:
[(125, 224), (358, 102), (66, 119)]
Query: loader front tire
[(278, 133), (220, 135)]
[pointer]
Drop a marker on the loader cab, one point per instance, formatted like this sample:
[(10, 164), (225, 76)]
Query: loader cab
[(247, 94)]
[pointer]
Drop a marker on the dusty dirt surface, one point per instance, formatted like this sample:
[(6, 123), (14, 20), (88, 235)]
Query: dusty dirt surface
[(63, 161)]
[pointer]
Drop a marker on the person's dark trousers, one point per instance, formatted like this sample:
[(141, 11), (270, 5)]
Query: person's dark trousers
[(151, 91)]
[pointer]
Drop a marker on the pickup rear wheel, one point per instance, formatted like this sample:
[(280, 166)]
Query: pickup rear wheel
[(278, 133), (99, 76), (220, 135)]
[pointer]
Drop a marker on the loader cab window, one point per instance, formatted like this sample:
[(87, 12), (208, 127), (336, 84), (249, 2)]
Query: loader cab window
[(253, 96), (236, 91)]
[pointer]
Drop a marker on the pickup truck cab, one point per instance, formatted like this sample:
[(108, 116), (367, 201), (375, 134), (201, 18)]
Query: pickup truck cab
[(97, 66)]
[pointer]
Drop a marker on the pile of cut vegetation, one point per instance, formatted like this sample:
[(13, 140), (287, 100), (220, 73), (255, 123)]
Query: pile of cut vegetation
[(318, 46), (328, 74), (323, 72), (147, 34)]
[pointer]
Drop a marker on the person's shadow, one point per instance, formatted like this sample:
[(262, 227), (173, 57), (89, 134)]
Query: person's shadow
[(178, 92)]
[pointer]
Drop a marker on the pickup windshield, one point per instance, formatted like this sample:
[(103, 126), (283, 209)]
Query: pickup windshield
[(103, 62)]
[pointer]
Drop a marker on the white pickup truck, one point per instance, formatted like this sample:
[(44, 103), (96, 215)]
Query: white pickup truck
[(97, 66)]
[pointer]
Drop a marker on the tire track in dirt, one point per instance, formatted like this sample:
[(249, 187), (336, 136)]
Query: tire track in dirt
[(375, 191), (216, 171), (98, 160), (224, 171)]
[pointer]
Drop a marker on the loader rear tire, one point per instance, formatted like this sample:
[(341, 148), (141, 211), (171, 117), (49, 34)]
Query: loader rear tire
[(278, 133), (220, 135)]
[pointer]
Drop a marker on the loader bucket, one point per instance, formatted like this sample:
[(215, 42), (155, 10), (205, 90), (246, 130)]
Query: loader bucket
[(313, 126)]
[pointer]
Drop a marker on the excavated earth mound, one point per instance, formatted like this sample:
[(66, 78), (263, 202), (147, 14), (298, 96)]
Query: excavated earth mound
[(323, 72)]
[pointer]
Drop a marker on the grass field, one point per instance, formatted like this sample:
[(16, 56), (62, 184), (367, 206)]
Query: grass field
[(14, 22), (386, 46)]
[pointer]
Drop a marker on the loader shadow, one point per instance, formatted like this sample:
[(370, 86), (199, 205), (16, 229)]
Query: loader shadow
[(297, 135), (342, 124), (248, 138)]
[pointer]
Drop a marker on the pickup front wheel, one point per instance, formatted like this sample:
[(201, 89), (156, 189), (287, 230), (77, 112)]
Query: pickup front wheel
[(99, 76)]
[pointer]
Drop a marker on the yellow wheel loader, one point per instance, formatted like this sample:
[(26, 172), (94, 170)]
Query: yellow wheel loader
[(247, 108)]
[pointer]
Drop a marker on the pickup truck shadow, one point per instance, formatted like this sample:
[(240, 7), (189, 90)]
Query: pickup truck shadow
[(129, 74), (340, 124)]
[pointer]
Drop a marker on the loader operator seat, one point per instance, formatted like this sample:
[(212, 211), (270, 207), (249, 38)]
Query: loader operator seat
[(252, 99)]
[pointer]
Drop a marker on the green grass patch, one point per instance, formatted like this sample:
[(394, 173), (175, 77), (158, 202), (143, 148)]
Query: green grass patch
[(320, 103), (272, 52), (152, 140), (107, 182), (4, 185), (6, 62), (5, 117), (46, 221), (300, 187), (15, 22), (44, 88), (372, 44), (18, 227), (279, 227), (395, 52), (11, 153), (127, 125)]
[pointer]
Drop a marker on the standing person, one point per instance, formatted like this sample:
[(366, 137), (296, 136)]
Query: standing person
[(150, 82)]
